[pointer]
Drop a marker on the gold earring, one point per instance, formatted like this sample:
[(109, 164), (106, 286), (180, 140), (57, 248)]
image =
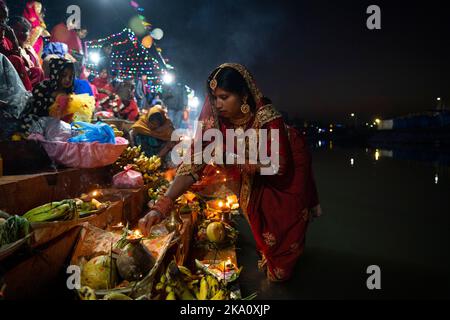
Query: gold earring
[(245, 108)]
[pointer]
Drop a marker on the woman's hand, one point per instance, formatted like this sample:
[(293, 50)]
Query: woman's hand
[(150, 219)]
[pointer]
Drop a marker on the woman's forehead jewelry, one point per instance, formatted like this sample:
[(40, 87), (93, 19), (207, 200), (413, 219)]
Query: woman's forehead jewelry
[(213, 82)]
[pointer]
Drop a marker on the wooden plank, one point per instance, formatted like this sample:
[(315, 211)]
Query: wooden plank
[(25, 156), (18, 194), (42, 276)]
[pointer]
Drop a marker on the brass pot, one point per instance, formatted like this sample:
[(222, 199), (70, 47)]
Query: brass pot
[(174, 222)]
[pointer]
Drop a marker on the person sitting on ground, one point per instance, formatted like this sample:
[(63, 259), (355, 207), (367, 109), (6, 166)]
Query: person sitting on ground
[(61, 82), (128, 109), (153, 132), (106, 97)]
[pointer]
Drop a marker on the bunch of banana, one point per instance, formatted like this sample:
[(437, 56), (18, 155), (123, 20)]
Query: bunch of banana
[(54, 211), (146, 164), (173, 283), (210, 289), (179, 283), (117, 132), (139, 162), (127, 157)]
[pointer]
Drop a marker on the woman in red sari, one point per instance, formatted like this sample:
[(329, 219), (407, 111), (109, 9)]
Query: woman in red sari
[(34, 14), (106, 97), (278, 207)]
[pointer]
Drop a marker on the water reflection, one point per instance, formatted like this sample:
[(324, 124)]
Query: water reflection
[(393, 211), (377, 155), (437, 160)]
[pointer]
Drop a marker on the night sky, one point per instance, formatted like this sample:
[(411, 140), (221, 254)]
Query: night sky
[(315, 59)]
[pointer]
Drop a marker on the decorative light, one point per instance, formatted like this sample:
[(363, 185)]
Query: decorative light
[(168, 78), (193, 103), (95, 57)]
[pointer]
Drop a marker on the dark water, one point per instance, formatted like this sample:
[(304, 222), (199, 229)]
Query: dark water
[(379, 209)]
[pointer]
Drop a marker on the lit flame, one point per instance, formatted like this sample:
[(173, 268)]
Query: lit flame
[(135, 234), (220, 204), (233, 202), (232, 199), (94, 193), (189, 196)]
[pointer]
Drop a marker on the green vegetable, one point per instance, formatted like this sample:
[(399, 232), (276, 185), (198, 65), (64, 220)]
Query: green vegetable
[(13, 229)]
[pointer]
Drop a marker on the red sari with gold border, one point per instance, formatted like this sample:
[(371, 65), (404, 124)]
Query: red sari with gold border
[(277, 207)]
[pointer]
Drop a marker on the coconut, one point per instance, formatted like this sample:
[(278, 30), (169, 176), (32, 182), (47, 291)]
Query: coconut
[(215, 232), (99, 273)]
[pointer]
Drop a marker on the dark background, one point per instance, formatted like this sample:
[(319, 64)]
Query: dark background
[(315, 59)]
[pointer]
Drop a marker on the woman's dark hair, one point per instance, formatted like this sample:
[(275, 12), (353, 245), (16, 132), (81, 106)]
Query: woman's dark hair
[(229, 79), (265, 100)]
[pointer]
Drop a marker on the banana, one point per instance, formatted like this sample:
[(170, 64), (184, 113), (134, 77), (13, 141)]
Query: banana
[(169, 289), (213, 285), (116, 296), (171, 296), (192, 285), (203, 294), (187, 295), (185, 271), (219, 295), (160, 286)]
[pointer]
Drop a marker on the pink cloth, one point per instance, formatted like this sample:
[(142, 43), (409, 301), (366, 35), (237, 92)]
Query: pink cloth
[(82, 155)]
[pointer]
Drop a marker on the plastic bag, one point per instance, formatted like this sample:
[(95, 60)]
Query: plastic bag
[(82, 155), (12, 92), (128, 179), (57, 130), (98, 132)]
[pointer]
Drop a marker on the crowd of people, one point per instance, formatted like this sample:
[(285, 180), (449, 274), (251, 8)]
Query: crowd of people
[(40, 67)]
